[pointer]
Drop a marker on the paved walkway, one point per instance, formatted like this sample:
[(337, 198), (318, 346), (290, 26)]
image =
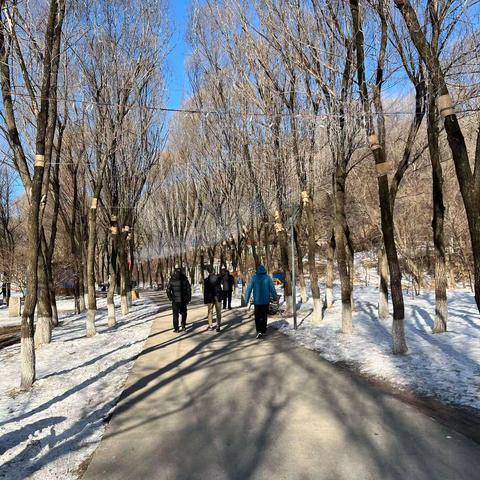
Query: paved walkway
[(206, 406)]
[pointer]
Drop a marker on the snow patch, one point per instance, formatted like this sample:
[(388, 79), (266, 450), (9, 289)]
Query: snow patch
[(47, 432)]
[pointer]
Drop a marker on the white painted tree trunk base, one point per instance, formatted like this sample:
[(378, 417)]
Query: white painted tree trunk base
[(303, 294), (289, 303), (91, 330), (243, 303), (441, 316), (111, 315), (43, 331), (329, 297), (347, 325), (317, 315), (383, 312), (27, 352)]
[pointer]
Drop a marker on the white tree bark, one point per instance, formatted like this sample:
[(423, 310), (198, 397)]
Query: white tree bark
[(90, 326), (317, 310), (43, 331)]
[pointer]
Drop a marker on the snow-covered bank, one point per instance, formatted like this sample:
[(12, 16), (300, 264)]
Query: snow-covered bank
[(445, 366), (64, 306), (48, 432)]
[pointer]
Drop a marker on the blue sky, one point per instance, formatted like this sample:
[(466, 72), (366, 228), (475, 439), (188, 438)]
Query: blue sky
[(177, 83)]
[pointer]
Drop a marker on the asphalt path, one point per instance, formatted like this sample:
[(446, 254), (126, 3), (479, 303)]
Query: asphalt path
[(204, 405)]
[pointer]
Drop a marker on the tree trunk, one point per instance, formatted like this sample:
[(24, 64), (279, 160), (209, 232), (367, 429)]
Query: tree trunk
[(9, 293), (53, 299), (106, 262), (162, 274), (123, 291), (301, 271), (351, 265), (33, 187), (398, 328), (43, 329), (150, 277), (285, 257), (85, 280), (122, 256), (451, 272), (312, 267), (383, 312), (253, 243), (130, 245), (81, 290), (76, 293), (143, 274), (329, 273), (341, 249), (386, 212), (27, 350), (92, 301), (468, 181), (223, 262), (112, 321), (441, 304), (211, 256)]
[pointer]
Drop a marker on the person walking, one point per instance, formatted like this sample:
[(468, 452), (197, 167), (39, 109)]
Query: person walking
[(228, 282), (179, 292), (263, 290), (212, 293)]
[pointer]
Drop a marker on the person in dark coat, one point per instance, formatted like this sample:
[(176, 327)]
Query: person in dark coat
[(263, 291), (228, 282), (212, 294), (179, 293)]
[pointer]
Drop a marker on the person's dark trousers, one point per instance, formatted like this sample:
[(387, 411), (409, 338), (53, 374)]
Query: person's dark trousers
[(179, 308), (227, 297), (261, 314)]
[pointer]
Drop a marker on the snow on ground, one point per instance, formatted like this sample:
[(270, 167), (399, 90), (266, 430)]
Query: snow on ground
[(48, 432), (446, 366), (64, 305)]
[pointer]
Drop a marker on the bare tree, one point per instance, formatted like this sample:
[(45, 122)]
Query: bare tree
[(32, 181), (378, 151), (468, 179)]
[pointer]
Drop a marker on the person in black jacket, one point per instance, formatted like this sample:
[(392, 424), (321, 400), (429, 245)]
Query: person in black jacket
[(228, 281), (179, 293), (212, 293)]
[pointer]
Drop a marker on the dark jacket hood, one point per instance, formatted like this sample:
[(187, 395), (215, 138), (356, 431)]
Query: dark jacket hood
[(261, 270)]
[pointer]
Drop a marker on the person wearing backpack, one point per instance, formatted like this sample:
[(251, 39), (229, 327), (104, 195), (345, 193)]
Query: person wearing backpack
[(263, 290), (179, 292), (212, 296), (228, 283)]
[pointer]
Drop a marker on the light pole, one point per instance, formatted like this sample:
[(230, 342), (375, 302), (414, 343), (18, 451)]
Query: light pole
[(292, 213)]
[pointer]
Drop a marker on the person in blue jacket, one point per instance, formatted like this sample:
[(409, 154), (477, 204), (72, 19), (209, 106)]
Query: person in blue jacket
[(263, 290)]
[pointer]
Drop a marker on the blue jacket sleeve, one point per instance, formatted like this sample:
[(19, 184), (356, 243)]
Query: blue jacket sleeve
[(249, 290), (273, 292)]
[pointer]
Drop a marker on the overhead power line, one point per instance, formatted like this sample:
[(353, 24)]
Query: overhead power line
[(238, 113)]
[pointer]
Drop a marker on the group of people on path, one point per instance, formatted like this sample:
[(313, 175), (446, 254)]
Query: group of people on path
[(218, 289)]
